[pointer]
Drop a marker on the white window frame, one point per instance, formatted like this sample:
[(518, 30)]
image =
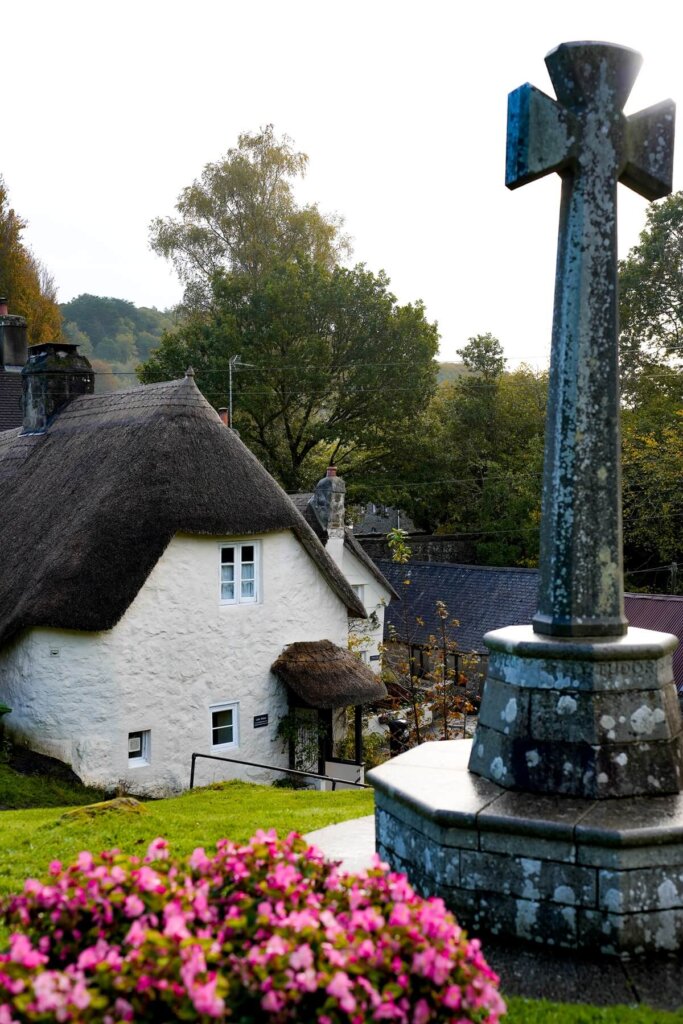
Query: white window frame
[(359, 591), (237, 546), (145, 756), (228, 705)]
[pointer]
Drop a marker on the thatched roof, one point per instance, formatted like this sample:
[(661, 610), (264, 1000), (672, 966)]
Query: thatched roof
[(89, 506), (323, 675)]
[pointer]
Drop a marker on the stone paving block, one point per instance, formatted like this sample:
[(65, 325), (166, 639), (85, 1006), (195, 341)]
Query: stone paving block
[(633, 823), (659, 931), (641, 890), (465, 838), (506, 708), (641, 661), (530, 920), (528, 846), (630, 858), (431, 860), (529, 878), (605, 717)]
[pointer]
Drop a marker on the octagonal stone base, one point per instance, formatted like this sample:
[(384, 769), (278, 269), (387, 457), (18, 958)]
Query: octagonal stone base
[(604, 876), (594, 718)]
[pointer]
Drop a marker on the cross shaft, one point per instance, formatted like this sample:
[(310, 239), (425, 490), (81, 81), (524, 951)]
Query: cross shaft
[(585, 137)]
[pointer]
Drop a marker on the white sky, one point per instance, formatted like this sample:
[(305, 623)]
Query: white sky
[(111, 109)]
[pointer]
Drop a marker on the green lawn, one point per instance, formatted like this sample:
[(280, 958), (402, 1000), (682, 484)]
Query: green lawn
[(532, 1011), (30, 839)]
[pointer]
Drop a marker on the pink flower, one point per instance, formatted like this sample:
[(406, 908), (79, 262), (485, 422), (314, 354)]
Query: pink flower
[(206, 1001), (422, 1013), (273, 1001), (341, 987), (157, 850), (133, 906), (85, 861), (22, 952), (301, 958)]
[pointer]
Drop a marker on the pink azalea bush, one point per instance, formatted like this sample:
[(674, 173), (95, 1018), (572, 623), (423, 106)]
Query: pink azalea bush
[(267, 931)]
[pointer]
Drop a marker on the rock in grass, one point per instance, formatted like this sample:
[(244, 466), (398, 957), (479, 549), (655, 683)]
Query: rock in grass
[(120, 804)]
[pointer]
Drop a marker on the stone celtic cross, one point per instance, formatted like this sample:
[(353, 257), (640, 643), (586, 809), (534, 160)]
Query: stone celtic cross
[(587, 139)]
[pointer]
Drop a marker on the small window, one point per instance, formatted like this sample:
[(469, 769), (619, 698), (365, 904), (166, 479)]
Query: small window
[(224, 725), (239, 583), (359, 591), (139, 748)]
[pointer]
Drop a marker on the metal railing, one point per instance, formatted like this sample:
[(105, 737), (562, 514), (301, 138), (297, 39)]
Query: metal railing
[(275, 768)]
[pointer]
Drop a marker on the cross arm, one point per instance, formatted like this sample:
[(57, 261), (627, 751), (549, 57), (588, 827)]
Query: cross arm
[(650, 150), (541, 136)]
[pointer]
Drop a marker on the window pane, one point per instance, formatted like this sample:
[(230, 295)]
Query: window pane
[(248, 588), (247, 553), (222, 726), (248, 571), (227, 591), (227, 555), (227, 573)]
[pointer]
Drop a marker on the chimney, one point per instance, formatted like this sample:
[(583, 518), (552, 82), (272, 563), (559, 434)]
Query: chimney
[(223, 413), (54, 374), (13, 340), (328, 501)]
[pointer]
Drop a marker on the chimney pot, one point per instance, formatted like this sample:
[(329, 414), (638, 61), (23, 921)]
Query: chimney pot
[(3, 307), (223, 413), (331, 471)]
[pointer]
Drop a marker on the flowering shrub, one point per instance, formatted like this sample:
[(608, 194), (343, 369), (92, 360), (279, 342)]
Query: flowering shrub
[(269, 930)]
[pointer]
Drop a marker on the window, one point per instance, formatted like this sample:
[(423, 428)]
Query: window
[(139, 748), (359, 591), (239, 576), (224, 725)]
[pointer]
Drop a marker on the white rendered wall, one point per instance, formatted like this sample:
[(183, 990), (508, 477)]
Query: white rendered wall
[(364, 635), (175, 652)]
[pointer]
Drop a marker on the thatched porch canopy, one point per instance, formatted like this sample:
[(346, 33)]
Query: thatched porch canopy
[(322, 675)]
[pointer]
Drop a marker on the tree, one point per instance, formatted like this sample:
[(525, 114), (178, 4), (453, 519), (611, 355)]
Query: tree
[(241, 215), (653, 501), (651, 300), (483, 355), (24, 281), (332, 365)]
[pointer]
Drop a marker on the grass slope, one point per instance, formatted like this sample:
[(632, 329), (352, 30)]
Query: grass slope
[(30, 839), (540, 1011)]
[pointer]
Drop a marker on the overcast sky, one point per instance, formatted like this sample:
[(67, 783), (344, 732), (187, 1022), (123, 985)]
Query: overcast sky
[(111, 109)]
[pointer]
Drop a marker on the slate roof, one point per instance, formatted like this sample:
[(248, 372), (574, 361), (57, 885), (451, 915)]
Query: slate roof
[(89, 506), (10, 400), (383, 519), (480, 597), (483, 598)]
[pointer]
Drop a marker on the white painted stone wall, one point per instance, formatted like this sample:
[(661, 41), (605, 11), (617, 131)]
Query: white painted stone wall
[(364, 635), (175, 652)]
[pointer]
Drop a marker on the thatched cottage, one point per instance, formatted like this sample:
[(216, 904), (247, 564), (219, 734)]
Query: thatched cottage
[(151, 574)]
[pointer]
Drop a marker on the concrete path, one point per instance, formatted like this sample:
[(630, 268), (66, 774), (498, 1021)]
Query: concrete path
[(352, 842), (524, 971)]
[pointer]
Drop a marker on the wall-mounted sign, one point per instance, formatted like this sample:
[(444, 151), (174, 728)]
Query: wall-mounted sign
[(374, 657), (260, 721)]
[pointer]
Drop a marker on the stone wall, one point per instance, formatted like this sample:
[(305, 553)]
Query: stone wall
[(429, 548)]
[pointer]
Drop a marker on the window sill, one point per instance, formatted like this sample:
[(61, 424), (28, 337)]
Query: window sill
[(138, 762)]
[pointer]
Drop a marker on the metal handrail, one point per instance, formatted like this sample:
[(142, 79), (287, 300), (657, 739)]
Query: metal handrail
[(275, 768)]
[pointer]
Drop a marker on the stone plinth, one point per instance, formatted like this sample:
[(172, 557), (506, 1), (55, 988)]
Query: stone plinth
[(590, 875), (589, 718)]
